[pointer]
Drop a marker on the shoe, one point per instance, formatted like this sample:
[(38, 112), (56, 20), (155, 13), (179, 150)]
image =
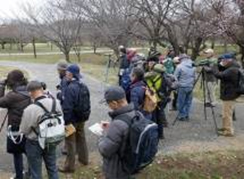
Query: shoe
[(221, 129), (225, 134), (65, 170), (187, 118), (181, 119), (209, 105)]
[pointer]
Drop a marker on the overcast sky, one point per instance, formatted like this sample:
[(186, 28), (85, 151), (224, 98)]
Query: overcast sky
[(10, 7)]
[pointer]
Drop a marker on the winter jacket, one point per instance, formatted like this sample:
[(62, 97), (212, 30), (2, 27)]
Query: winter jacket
[(136, 94), (229, 79), (212, 63), (15, 101), (169, 65), (185, 73), (124, 62), (61, 87), (112, 145), (32, 115), (70, 96)]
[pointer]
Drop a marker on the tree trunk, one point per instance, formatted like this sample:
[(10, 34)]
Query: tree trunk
[(94, 47), (21, 47), (10, 46), (196, 48), (51, 47), (3, 45), (154, 44), (34, 46), (242, 56), (212, 44), (66, 54), (225, 47)]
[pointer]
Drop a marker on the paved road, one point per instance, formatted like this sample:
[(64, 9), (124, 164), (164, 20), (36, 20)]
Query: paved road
[(194, 136), (48, 74)]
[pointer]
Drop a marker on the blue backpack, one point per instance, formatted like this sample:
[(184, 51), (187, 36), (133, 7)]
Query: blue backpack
[(125, 79), (142, 143)]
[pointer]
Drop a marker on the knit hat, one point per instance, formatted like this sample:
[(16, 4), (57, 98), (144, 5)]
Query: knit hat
[(62, 66)]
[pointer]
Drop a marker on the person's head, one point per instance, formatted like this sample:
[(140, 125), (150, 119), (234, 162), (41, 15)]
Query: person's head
[(176, 60), (122, 49), (226, 60), (115, 97), (159, 68), (151, 61), (61, 67), (209, 53), (137, 74), (73, 71), (35, 89), (15, 78)]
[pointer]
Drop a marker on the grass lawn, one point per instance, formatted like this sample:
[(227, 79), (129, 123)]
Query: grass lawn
[(209, 165)]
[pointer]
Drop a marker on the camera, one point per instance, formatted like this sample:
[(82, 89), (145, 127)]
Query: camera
[(3, 82)]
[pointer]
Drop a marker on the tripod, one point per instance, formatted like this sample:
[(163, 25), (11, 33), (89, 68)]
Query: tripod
[(204, 87)]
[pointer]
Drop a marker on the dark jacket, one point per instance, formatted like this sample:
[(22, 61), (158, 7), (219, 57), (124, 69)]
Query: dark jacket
[(15, 101), (61, 87), (136, 94), (124, 62), (229, 82), (112, 145), (70, 95)]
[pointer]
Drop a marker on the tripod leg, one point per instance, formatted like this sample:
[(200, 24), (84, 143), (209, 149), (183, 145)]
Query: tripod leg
[(175, 121), (212, 109), (204, 95)]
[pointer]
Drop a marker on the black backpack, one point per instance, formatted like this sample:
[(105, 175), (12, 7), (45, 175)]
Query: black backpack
[(240, 88), (82, 107), (142, 143)]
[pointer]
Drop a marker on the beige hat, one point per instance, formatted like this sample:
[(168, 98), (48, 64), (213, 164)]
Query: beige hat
[(176, 60), (209, 51)]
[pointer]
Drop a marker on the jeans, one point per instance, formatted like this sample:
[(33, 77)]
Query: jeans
[(76, 143), (184, 101), (18, 165), (35, 154)]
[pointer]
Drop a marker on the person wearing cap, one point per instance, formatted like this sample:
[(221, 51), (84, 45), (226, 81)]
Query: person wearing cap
[(15, 101), (168, 61), (229, 80), (30, 121), (185, 75), (209, 79), (158, 80), (124, 62), (61, 68), (111, 144), (75, 143)]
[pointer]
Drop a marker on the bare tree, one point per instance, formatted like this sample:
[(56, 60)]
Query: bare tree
[(56, 23), (111, 19)]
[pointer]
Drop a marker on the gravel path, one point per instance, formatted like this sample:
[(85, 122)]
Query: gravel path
[(194, 136)]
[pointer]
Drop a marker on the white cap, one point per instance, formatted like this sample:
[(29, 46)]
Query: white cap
[(209, 51)]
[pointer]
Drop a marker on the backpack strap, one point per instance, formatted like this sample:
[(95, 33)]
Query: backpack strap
[(42, 106)]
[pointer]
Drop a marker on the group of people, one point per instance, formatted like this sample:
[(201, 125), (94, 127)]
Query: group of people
[(175, 76), (29, 104), (142, 81)]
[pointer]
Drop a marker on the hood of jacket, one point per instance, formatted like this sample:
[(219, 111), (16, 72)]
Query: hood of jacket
[(126, 109)]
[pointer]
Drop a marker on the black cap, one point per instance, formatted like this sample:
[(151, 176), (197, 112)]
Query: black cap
[(114, 93)]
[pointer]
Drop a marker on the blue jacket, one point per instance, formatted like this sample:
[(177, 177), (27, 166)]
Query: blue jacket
[(69, 96), (137, 93), (185, 73)]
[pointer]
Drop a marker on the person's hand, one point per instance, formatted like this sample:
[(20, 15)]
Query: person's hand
[(105, 125), (208, 69)]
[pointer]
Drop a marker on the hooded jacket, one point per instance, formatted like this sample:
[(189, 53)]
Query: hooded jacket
[(112, 144), (185, 73), (15, 101), (229, 80)]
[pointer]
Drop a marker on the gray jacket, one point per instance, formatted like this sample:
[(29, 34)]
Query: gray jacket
[(185, 73), (111, 146), (32, 115)]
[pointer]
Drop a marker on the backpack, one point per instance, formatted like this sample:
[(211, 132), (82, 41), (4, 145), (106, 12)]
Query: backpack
[(141, 145), (125, 79), (240, 88), (150, 100), (51, 128), (82, 107)]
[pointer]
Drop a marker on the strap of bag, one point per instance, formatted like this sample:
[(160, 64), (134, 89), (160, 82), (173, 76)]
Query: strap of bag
[(4, 120)]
